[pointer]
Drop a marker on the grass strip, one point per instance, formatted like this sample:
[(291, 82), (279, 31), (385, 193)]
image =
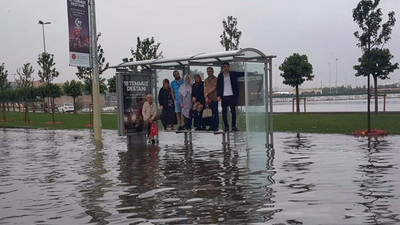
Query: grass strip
[(324, 123)]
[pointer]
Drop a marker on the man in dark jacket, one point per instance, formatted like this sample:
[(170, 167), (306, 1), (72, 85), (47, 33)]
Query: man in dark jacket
[(227, 93)]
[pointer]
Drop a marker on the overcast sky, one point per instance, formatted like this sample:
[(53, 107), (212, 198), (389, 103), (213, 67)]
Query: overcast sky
[(321, 29)]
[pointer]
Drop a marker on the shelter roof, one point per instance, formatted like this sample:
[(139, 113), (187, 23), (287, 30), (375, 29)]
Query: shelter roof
[(201, 59)]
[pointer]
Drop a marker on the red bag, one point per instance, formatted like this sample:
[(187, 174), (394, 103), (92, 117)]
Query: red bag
[(153, 130)]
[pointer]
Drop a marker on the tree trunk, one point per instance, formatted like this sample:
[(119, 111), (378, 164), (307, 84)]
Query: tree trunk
[(376, 93), (52, 109), (369, 104), (73, 100), (25, 115), (4, 111), (297, 100)]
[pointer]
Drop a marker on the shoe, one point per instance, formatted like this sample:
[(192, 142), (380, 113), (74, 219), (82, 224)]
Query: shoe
[(180, 128), (198, 128), (226, 128), (153, 142), (209, 129), (234, 129), (202, 128)]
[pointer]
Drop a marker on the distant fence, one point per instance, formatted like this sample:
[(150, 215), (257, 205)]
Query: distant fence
[(304, 105)]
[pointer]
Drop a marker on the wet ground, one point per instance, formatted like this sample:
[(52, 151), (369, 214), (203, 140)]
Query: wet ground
[(62, 177)]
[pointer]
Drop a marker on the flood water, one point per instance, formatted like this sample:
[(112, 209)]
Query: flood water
[(62, 177), (353, 103)]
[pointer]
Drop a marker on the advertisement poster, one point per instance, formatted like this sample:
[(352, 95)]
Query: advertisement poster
[(78, 29), (132, 90)]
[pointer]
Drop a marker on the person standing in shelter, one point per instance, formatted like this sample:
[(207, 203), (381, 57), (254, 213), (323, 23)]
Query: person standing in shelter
[(185, 101), (198, 101), (210, 94), (167, 105), (175, 84), (227, 93), (149, 112)]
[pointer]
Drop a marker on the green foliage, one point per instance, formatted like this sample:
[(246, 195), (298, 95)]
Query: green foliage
[(381, 68), (371, 39), (25, 82), (4, 87), (368, 17), (112, 84), (3, 77), (73, 88), (296, 69), (85, 74), (25, 89), (230, 36), (145, 49), (46, 63), (87, 86)]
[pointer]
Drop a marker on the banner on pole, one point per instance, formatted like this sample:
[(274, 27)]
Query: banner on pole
[(78, 28)]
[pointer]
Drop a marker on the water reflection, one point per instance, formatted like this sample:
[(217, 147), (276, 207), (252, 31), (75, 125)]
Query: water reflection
[(376, 188), (299, 148), (62, 177)]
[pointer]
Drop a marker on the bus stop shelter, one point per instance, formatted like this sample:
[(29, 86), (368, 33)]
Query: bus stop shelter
[(255, 89)]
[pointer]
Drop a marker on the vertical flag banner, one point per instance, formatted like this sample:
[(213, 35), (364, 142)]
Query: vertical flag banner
[(78, 27)]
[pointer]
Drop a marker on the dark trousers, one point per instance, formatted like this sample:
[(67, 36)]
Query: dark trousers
[(230, 101), (215, 118), (187, 122)]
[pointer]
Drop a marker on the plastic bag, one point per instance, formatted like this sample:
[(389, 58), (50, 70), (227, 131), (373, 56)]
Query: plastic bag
[(207, 113), (153, 130)]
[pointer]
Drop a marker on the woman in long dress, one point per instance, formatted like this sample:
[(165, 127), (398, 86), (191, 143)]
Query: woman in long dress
[(166, 102), (185, 98), (198, 99)]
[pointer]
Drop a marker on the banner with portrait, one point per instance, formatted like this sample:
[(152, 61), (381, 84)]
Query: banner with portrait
[(78, 29)]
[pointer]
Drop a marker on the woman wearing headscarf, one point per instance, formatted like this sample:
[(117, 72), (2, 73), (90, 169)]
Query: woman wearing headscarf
[(198, 101), (185, 98), (167, 106)]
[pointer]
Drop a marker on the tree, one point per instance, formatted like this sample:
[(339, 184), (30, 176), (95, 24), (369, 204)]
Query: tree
[(112, 84), (4, 86), (48, 72), (296, 69), (381, 68), (73, 89), (87, 86), (145, 50), (85, 73), (53, 91), (25, 87), (368, 17), (230, 36)]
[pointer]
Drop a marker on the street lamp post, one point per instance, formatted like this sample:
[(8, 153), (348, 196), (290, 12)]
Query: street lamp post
[(44, 39), (336, 84)]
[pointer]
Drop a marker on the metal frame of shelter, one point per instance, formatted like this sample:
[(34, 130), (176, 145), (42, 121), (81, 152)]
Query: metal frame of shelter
[(215, 59)]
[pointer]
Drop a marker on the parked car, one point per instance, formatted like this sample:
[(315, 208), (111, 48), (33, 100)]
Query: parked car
[(66, 108)]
